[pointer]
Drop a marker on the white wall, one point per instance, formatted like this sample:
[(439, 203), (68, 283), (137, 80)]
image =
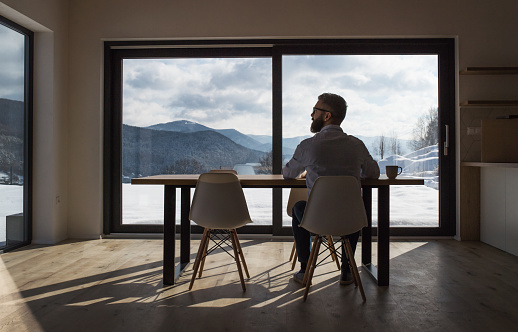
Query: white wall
[(49, 21), (485, 31)]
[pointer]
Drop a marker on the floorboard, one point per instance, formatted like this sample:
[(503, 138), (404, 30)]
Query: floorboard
[(116, 285)]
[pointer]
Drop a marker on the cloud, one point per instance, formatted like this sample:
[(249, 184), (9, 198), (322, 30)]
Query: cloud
[(249, 75), (11, 64), (384, 92), (215, 92)]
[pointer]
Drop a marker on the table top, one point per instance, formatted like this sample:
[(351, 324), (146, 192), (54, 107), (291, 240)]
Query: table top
[(264, 181)]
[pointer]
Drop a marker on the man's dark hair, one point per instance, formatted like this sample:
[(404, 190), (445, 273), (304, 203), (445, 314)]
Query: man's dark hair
[(338, 106)]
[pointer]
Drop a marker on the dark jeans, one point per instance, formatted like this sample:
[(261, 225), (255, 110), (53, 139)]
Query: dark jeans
[(303, 238)]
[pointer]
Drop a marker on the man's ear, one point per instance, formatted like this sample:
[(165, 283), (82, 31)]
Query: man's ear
[(327, 116)]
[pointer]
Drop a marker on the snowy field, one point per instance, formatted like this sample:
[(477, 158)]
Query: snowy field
[(410, 206)]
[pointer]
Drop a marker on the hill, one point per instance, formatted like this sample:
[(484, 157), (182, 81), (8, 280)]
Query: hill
[(184, 126), (11, 118), (146, 152), (11, 138), (255, 142), (423, 163)]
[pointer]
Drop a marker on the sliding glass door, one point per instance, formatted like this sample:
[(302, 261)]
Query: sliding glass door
[(186, 107), (15, 129)]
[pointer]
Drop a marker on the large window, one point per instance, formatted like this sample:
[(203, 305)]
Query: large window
[(188, 116), (15, 133), (393, 109), (245, 105)]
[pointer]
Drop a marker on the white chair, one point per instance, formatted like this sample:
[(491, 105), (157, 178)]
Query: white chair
[(219, 206), (335, 207), (231, 171), (296, 195)]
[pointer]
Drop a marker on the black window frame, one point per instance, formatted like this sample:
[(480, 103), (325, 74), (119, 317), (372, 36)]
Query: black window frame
[(28, 130), (116, 51)]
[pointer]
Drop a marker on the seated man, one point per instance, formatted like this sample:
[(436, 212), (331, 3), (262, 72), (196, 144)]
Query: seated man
[(329, 152)]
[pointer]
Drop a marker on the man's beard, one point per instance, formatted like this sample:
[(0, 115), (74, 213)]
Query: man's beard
[(317, 124)]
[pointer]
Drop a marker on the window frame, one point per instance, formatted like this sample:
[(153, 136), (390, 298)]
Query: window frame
[(28, 129), (115, 51)]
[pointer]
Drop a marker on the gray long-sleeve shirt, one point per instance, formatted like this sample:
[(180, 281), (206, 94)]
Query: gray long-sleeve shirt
[(331, 152)]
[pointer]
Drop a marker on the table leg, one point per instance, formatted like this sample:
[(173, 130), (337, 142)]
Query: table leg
[(169, 234), (185, 228), (367, 235), (383, 235), (367, 231)]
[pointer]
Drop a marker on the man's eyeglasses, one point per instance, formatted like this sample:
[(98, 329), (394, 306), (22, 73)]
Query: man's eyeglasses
[(321, 110)]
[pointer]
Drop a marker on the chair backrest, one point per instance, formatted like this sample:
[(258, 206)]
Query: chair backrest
[(219, 202), (335, 207), (233, 171), (296, 194)]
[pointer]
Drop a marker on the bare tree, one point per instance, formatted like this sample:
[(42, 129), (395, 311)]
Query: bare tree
[(380, 146), (426, 130), (394, 144)]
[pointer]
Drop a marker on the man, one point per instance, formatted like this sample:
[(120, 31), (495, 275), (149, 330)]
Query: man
[(329, 152)]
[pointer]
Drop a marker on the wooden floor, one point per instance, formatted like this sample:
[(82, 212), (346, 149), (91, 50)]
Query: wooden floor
[(115, 285)]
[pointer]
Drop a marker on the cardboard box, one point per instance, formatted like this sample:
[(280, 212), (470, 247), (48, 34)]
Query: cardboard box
[(499, 141)]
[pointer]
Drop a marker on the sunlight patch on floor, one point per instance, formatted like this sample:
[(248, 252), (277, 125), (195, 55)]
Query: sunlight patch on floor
[(122, 278), (270, 301), (219, 303), (401, 248), (89, 302), (127, 300)]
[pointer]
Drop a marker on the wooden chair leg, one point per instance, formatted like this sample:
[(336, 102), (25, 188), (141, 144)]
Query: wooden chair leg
[(347, 255), (236, 256), (241, 254), (293, 251), (294, 260), (334, 256), (312, 266), (198, 256), (204, 254), (354, 269), (310, 259)]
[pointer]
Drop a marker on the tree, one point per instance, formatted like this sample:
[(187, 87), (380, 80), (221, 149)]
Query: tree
[(380, 146), (394, 144), (426, 130), (266, 162), (185, 166)]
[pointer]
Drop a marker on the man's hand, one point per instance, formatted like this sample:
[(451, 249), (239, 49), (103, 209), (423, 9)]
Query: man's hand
[(303, 175)]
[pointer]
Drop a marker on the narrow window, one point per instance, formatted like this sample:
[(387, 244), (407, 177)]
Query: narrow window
[(15, 131)]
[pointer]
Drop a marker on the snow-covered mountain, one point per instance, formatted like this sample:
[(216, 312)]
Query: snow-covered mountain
[(254, 142)]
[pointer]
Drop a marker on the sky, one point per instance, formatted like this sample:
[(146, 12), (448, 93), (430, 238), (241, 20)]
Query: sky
[(11, 64), (385, 93)]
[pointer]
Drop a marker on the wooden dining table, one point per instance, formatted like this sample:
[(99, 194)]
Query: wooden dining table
[(187, 181)]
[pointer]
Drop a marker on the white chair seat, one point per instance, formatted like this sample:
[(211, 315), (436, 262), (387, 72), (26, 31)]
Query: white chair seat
[(219, 206), (335, 207)]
